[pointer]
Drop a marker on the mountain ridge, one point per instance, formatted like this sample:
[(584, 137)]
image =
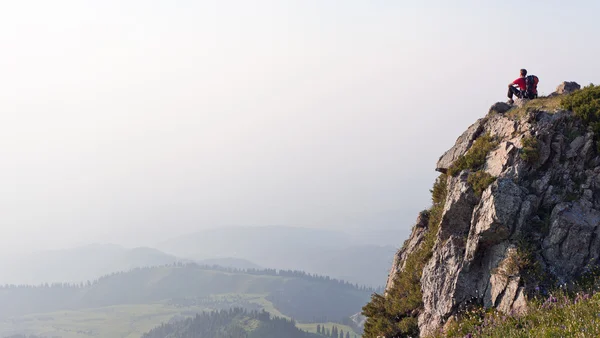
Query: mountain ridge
[(320, 251), (78, 264)]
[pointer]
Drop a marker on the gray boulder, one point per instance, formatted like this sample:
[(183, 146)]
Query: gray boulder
[(567, 88), (500, 108)]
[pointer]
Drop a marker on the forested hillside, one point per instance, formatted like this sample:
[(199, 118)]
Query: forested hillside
[(235, 323), (296, 294)]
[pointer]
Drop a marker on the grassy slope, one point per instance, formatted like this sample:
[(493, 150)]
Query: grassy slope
[(107, 308), (300, 297), (127, 321), (555, 317), (143, 286), (549, 104)]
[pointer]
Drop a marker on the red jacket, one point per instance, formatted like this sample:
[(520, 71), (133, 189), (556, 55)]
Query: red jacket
[(521, 83)]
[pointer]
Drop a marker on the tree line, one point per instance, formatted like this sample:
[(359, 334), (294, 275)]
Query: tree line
[(296, 294), (258, 272), (334, 332), (233, 323)]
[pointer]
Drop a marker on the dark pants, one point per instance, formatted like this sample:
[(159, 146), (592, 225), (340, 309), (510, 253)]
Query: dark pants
[(512, 90), (520, 94)]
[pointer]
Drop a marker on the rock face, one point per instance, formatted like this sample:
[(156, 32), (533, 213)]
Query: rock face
[(535, 226), (463, 144), (359, 321), (411, 244), (567, 87), (500, 107)]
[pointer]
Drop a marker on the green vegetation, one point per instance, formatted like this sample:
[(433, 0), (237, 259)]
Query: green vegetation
[(570, 310), (132, 321), (585, 104), (333, 331), (396, 315), (530, 152), (296, 294), (544, 103), (556, 315), (323, 328), (133, 302), (479, 181), (571, 133), (518, 262), (125, 321), (233, 323), (528, 265), (474, 159)]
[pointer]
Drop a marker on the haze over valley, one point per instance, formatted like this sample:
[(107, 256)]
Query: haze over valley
[(269, 169), (324, 252)]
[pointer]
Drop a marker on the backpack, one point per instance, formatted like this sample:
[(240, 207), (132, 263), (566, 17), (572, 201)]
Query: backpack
[(531, 82)]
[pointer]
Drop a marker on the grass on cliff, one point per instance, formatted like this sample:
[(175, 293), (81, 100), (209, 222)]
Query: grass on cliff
[(479, 181), (585, 104), (474, 159), (396, 315), (554, 316), (544, 103), (570, 310), (530, 152)]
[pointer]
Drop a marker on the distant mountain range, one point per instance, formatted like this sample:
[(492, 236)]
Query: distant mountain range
[(78, 264), (229, 262), (90, 262), (326, 252)]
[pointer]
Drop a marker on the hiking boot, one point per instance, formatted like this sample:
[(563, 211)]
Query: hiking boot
[(510, 101)]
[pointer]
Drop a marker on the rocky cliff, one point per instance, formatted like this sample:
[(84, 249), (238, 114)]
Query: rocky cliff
[(519, 213)]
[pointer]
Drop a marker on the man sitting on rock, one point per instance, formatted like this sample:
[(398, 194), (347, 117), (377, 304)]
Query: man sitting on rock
[(527, 87)]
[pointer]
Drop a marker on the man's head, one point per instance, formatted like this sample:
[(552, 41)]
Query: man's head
[(523, 72)]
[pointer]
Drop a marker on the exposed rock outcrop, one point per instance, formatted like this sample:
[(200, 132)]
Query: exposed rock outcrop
[(567, 87), (410, 245), (543, 207), (500, 108), (463, 144)]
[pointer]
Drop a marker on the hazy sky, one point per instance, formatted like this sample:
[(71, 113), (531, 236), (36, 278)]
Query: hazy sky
[(132, 121)]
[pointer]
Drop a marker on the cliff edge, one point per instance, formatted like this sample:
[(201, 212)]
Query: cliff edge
[(515, 210)]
